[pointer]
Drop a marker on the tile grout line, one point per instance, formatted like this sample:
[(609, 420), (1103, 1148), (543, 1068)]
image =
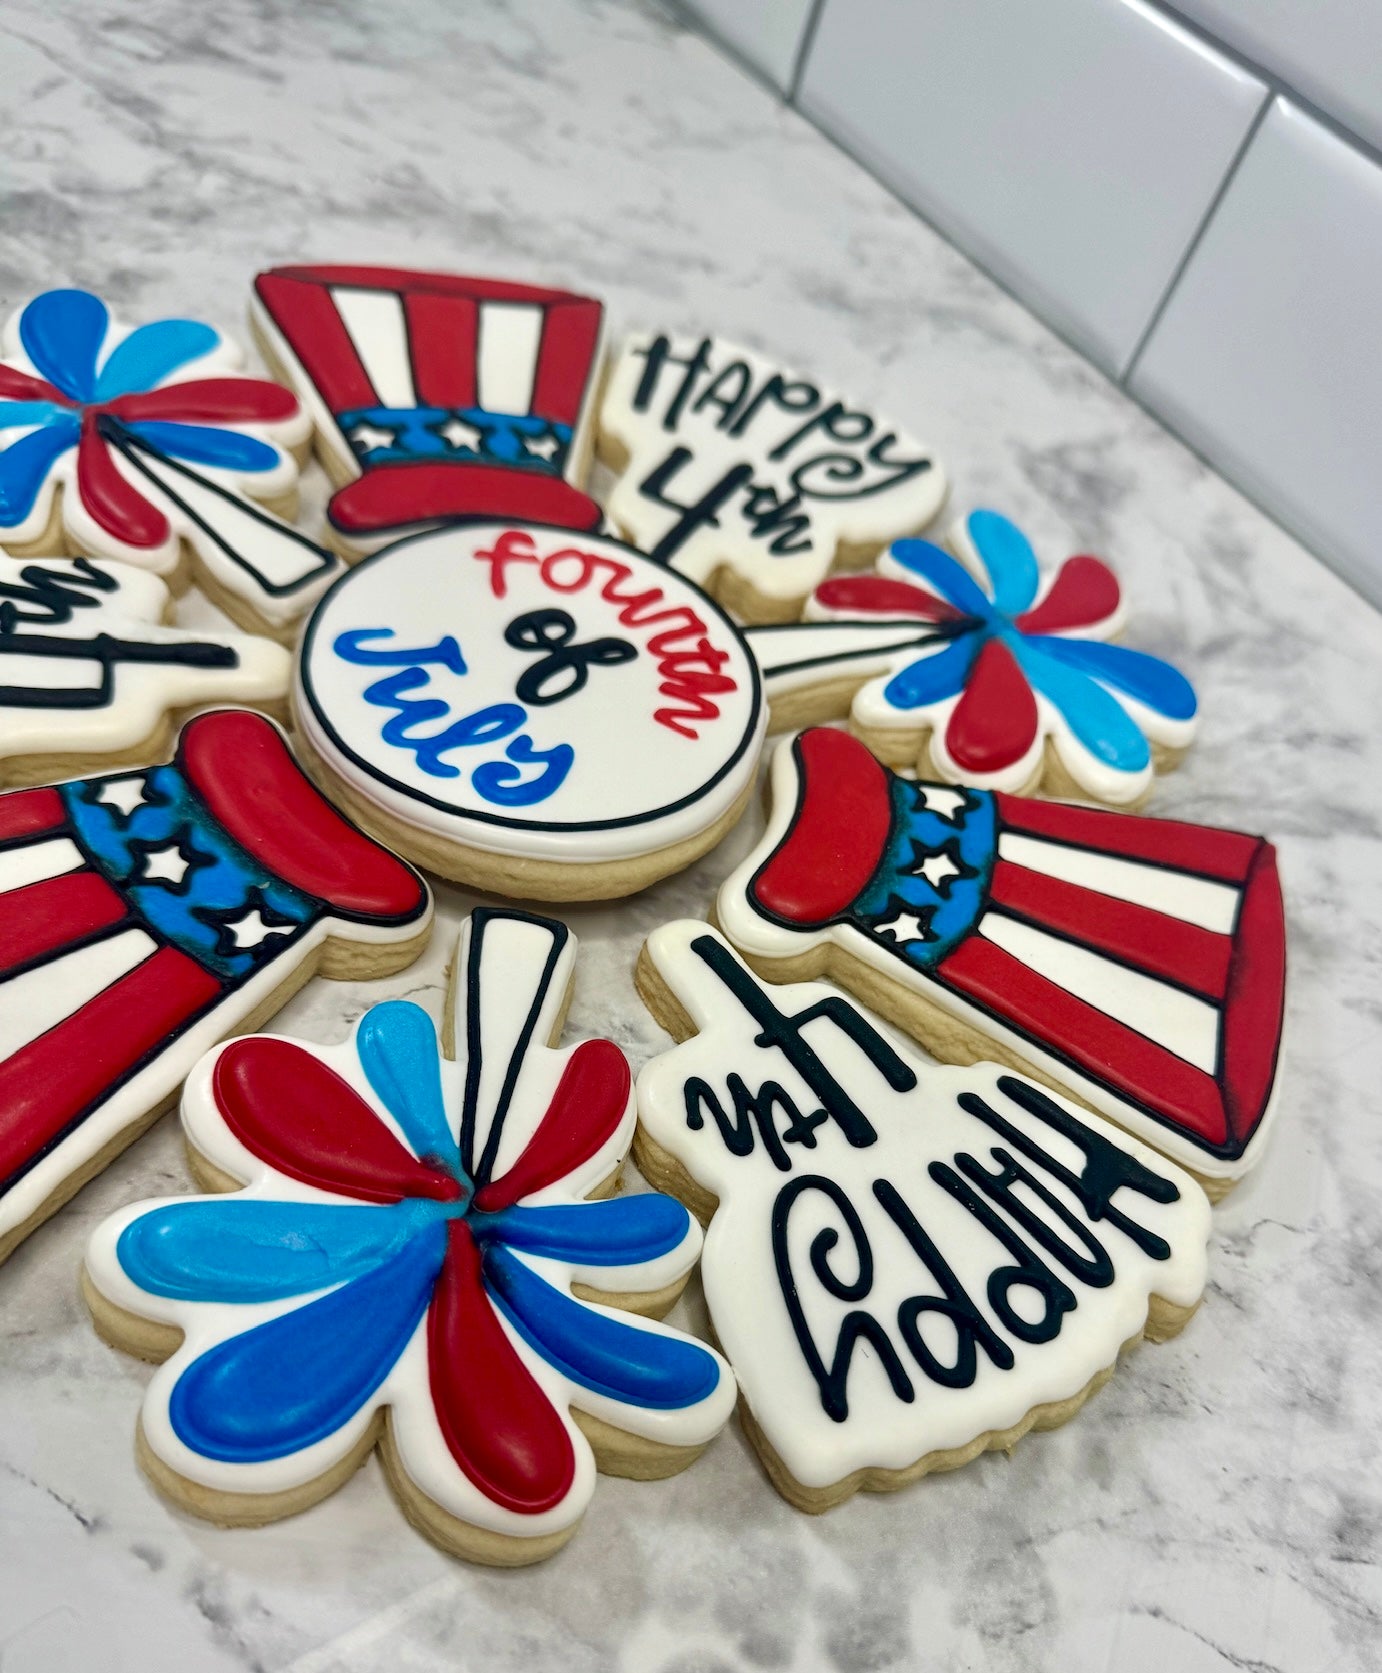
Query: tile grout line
[(808, 40), (1276, 84), (1124, 377)]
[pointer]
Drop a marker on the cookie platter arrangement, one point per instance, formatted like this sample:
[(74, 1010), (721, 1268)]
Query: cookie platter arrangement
[(420, 1240)]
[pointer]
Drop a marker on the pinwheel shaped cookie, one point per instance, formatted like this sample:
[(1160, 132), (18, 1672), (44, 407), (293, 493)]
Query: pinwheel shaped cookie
[(137, 444), (976, 668), (415, 1262)]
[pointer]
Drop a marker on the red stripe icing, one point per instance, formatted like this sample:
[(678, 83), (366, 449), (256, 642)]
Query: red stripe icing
[(245, 773), (57, 1078), (995, 721), (391, 496), (570, 335), (114, 501), (585, 1111), (1256, 998), (43, 917), (1149, 941), (1084, 593), (881, 595), (1105, 1051), (499, 1426), (210, 401), (406, 279), (837, 836), (30, 813), (315, 331), (292, 1111), (441, 333), (1225, 856), (24, 386)]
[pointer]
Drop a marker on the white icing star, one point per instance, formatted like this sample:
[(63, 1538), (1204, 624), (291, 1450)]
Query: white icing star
[(543, 447), (367, 437), (251, 929), (946, 803), (937, 869), (126, 794), (165, 865), (457, 433), (906, 926)]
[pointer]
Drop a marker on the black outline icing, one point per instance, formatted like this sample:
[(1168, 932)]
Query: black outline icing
[(480, 919), (1234, 1150), (658, 575), (133, 448)]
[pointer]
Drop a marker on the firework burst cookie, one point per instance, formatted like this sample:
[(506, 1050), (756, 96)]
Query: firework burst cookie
[(751, 480), (538, 713), (419, 1254), (906, 1266), (147, 445), (91, 675), (436, 396), (145, 915), (1137, 964), (975, 667)]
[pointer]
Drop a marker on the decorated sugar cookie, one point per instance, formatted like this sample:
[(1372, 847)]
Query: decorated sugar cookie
[(90, 675), (539, 713), (413, 1261), (144, 444), (749, 479), (1138, 964), (145, 915), (978, 669), (906, 1266), (436, 396)]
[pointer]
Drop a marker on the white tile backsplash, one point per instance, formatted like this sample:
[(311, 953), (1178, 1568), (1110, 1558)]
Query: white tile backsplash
[(1268, 356), (1328, 50), (766, 33), (1073, 146)]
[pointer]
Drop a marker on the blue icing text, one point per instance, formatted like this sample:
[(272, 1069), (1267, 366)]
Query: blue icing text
[(501, 782)]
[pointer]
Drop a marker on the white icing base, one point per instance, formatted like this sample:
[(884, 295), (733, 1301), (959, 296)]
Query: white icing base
[(636, 784), (759, 937), (507, 991), (913, 1129), (143, 693), (819, 462)]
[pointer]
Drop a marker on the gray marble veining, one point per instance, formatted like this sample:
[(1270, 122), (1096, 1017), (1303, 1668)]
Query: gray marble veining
[(1218, 1506)]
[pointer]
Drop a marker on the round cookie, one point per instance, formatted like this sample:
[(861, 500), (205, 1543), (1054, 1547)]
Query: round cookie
[(533, 712)]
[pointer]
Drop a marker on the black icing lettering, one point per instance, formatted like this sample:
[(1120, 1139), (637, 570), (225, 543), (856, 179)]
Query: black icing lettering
[(790, 394), (1106, 1171), (703, 514), (833, 1380), (657, 355), (51, 596), (972, 1329), (565, 668), (1092, 1267), (778, 515), (108, 653), (778, 1029), (835, 421), (1026, 1271), (740, 379), (751, 1111)]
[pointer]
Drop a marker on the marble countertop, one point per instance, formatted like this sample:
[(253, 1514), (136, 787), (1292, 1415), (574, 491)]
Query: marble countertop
[(1218, 1506)]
